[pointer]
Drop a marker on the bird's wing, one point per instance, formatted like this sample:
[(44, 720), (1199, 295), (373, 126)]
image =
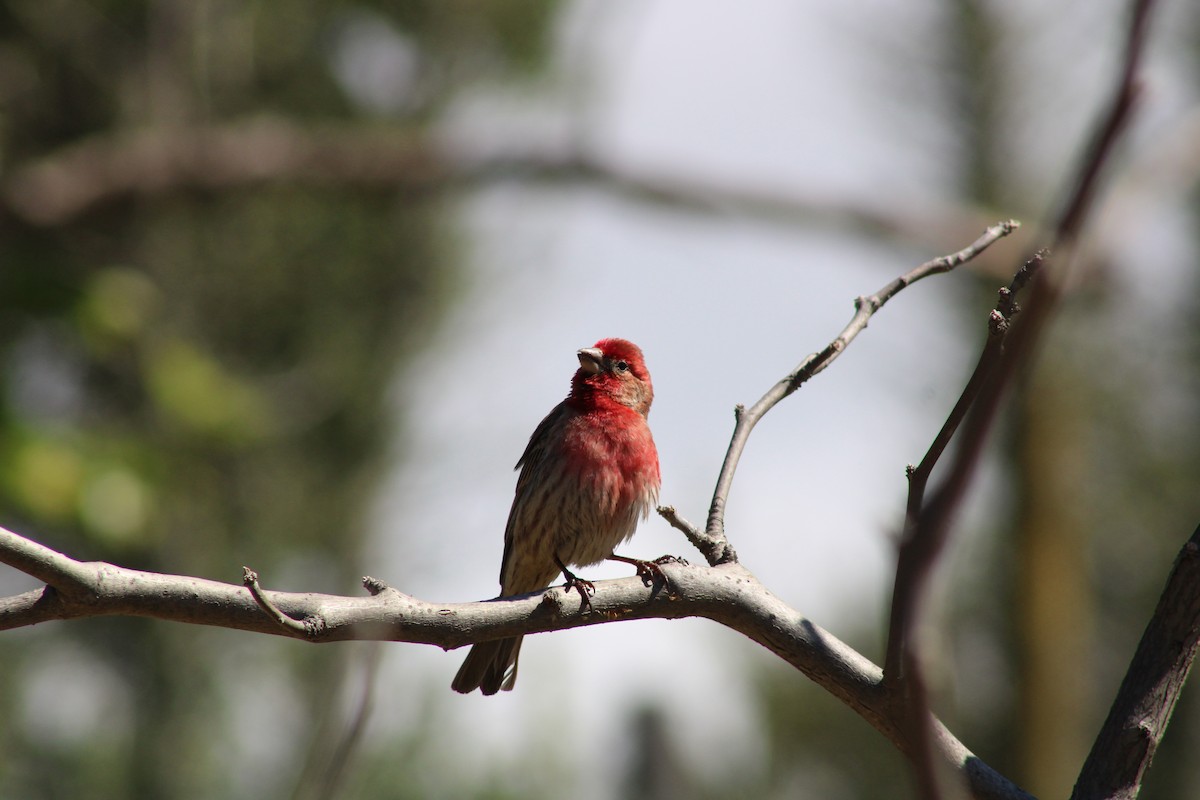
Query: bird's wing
[(534, 453)]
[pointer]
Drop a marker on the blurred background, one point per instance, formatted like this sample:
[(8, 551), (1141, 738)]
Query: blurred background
[(290, 284)]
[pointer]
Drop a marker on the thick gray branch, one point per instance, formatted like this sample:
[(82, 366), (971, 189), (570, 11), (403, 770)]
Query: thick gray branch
[(727, 594)]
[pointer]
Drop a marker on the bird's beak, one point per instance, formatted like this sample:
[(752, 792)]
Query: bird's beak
[(591, 359)]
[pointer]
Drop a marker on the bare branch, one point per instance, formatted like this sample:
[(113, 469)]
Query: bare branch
[(709, 547), (728, 594), (1081, 193), (1140, 713), (75, 180), (928, 525), (151, 162), (715, 545), (928, 528), (250, 581), (918, 553), (40, 562)]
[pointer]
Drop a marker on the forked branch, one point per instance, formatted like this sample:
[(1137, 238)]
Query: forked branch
[(729, 595), (928, 521), (712, 541)]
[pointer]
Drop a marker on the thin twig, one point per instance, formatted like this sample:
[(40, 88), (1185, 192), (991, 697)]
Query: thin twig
[(713, 542), (693, 534), (1081, 193), (250, 581)]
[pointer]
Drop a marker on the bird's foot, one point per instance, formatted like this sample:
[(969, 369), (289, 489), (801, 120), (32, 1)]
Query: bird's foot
[(585, 587), (650, 571)]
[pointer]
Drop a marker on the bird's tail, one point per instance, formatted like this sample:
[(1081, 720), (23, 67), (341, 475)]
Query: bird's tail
[(489, 667)]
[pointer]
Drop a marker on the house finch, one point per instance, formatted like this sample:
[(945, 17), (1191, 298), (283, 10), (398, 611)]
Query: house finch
[(589, 472)]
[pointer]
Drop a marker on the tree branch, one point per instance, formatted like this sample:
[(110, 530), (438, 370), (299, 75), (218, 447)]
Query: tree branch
[(72, 181), (306, 627), (927, 527), (712, 542), (917, 554), (728, 594), (150, 162), (1139, 715)]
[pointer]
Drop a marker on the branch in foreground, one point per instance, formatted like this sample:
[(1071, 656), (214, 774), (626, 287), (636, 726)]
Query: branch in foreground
[(728, 594), (1148, 694), (927, 529), (927, 526), (712, 542), (917, 554)]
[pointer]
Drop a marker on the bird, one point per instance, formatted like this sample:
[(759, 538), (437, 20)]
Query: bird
[(587, 477)]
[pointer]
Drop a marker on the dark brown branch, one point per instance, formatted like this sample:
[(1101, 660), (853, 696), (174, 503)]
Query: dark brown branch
[(1140, 713), (1082, 191), (927, 530), (713, 542), (917, 554), (928, 525)]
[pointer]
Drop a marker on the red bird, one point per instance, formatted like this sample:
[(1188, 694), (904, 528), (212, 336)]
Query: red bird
[(588, 475)]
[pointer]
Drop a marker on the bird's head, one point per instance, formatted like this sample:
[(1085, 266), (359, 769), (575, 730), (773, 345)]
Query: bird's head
[(614, 370)]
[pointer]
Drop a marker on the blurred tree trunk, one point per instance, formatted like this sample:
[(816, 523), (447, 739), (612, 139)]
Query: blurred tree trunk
[(653, 770), (1053, 598)]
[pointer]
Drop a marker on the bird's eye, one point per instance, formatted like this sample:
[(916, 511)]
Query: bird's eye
[(622, 366)]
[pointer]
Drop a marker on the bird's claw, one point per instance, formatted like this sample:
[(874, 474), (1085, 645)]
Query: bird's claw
[(651, 571), (585, 588)]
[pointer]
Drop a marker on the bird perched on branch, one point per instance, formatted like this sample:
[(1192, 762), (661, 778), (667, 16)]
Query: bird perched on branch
[(588, 475)]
